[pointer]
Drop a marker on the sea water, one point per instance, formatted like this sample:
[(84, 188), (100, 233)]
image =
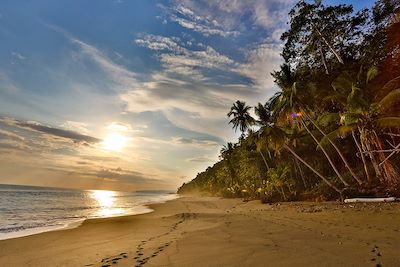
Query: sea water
[(26, 210)]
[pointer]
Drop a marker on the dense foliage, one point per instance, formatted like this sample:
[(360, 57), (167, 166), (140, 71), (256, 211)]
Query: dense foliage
[(333, 128)]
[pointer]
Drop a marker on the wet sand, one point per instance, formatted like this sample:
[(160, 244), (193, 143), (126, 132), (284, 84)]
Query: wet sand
[(193, 231)]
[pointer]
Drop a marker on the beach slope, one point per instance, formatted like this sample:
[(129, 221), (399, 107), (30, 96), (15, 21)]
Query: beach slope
[(194, 231)]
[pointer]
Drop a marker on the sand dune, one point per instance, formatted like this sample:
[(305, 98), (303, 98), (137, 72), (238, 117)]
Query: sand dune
[(194, 231)]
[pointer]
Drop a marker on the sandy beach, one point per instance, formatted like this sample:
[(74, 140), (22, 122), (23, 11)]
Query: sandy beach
[(194, 231)]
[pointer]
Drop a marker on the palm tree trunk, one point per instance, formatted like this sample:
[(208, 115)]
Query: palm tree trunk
[(390, 176), (362, 157), (269, 153), (338, 151), (283, 193), (301, 173), (326, 154), (329, 46), (323, 59), (313, 170), (367, 147), (265, 162)]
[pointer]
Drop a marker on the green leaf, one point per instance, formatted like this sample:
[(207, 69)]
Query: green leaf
[(330, 136), (345, 130), (390, 100), (389, 122), (342, 84), (328, 118), (391, 85), (372, 73)]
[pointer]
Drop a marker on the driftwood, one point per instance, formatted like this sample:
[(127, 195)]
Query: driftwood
[(370, 200)]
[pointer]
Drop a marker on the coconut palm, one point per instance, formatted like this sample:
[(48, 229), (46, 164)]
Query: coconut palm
[(241, 116), (226, 154), (368, 119)]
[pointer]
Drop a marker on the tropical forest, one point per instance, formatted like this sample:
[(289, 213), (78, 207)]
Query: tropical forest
[(332, 129)]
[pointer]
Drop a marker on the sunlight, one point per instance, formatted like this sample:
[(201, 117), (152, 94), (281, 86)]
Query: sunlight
[(106, 200), (114, 142)]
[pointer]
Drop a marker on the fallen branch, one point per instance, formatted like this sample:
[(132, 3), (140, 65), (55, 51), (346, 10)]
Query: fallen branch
[(370, 200)]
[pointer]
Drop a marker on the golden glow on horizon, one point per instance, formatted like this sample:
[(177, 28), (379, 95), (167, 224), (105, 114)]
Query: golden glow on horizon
[(106, 201), (114, 142)]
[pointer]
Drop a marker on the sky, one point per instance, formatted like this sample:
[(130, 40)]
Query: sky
[(129, 95)]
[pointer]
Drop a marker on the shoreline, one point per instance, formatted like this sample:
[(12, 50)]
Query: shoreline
[(145, 208), (209, 231)]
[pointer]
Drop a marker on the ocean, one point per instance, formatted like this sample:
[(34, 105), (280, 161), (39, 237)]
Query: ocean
[(26, 210)]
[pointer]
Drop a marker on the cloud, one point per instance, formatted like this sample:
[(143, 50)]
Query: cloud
[(157, 42), (118, 73), (262, 60), (122, 77), (13, 145), (11, 135), (188, 19), (195, 142), (18, 56), (121, 175), (229, 17), (76, 126), (200, 159), (179, 60), (52, 131)]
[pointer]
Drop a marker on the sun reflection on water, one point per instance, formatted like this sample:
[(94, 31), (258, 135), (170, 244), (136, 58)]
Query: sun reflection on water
[(106, 201)]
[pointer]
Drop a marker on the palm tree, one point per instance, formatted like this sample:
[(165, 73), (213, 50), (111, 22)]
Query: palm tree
[(226, 154), (241, 116), (254, 138), (346, 163), (278, 178), (279, 139), (263, 113), (369, 118), (288, 101)]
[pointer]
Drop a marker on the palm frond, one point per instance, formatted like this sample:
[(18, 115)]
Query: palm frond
[(328, 118), (388, 122), (330, 136), (390, 100), (342, 84), (371, 74), (391, 85)]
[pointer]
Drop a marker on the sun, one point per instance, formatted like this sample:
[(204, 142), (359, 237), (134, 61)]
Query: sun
[(114, 142)]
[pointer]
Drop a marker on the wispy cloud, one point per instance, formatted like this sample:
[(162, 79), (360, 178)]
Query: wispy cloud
[(119, 74), (121, 175), (11, 135), (188, 19), (195, 142), (18, 56), (261, 61), (200, 159), (180, 60), (52, 131), (232, 15)]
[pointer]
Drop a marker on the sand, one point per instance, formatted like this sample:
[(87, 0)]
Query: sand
[(194, 231)]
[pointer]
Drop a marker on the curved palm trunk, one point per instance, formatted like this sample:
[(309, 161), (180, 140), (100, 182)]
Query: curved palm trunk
[(326, 155), (367, 147), (362, 157), (283, 193), (232, 172), (329, 46), (313, 170), (346, 163), (301, 172), (265, 161), (323, 59), (390, 176), (269, 153)]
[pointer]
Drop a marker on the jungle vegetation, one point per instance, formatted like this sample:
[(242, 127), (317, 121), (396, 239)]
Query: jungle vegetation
[(333, 128)]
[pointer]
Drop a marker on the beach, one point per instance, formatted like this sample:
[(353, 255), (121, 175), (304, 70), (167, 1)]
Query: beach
[(208, 231)]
